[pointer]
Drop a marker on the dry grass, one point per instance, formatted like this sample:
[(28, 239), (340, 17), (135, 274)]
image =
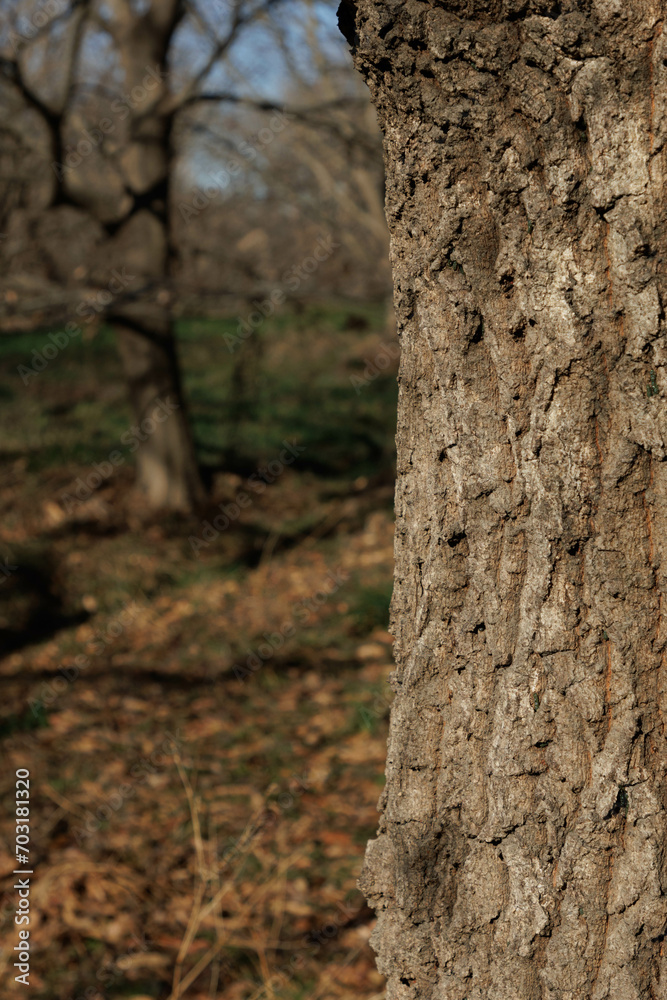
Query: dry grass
[(197, 825)]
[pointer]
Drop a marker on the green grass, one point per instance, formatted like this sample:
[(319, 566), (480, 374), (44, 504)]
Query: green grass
[(370, 607), (25, 722), (290, 380), (367, 719), (286, 382)]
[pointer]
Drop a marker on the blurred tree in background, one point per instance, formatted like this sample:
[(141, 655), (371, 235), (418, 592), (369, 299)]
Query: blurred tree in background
[(200, 696), (168, 157)]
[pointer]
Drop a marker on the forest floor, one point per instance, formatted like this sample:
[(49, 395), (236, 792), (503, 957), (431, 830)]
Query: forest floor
[(203, 712)]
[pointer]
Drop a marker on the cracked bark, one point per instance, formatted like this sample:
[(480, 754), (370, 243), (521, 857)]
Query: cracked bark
[(521, 848)]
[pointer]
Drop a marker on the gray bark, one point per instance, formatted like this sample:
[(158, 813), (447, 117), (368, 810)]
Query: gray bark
[(167, 470), (521, 852)]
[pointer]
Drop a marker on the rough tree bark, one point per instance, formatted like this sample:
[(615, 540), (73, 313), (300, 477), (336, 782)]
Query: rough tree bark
[(522, 847)]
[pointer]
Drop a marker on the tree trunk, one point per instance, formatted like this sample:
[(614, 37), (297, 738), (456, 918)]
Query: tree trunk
[(522, 851), (167, 471), (125, 187)]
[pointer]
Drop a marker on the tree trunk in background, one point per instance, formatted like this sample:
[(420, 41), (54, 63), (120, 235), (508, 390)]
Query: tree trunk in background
[(124, 185), (522, 851), (167, 471)]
